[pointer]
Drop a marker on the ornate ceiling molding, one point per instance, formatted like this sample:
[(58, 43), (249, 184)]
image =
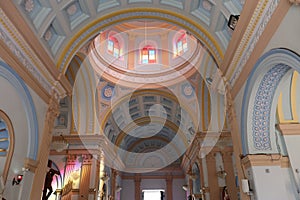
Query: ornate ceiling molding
[(257, 25), (12, 38)]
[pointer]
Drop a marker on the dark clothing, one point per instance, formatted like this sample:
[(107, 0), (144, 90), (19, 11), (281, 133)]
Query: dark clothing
[(47, 184)]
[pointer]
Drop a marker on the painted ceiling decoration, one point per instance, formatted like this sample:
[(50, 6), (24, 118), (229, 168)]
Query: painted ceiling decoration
[(56, 22)]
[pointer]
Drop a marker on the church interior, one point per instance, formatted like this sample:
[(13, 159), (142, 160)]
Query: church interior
[(149, 100)]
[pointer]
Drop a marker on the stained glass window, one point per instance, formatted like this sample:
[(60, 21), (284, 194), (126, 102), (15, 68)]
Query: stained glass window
[(181, 45), (113, 47), (148, 55)]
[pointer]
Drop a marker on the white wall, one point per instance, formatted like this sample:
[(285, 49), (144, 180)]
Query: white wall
[(128, 188), (12, 104), (127, 192), (178, 192), (271, 182), (288, 32), (292, 144)]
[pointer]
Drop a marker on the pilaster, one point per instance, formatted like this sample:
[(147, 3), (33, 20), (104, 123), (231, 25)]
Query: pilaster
[(137, 184), (230, 177), (214, 191), (44, 148), (236, 137), (114, 174), (169, 183), (85, 176)]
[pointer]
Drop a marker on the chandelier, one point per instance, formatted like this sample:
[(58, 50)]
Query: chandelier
[(60, 144)]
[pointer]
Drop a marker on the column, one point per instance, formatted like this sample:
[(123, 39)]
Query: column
[(44, 148), (214, 191), (137, 183), (85, 175), (114, 174), (230, 177), (131, 51), (169, 183), (236, 138), (165, 50)]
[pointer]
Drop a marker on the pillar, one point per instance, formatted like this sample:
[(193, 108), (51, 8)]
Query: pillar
[(236, 137), (169, 183), (137, 184), (85, 176), (214, 191), (230, 177), (131, 51), (114, 174), (44, 148), (165, 50)]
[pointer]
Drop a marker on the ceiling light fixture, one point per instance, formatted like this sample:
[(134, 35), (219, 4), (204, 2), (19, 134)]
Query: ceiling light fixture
[(221, 173), (60, 144)]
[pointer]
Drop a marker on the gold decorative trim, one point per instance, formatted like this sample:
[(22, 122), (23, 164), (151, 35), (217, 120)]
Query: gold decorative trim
[(293, 96)]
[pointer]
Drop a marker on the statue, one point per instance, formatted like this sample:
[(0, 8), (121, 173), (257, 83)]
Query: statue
[(47, 184)]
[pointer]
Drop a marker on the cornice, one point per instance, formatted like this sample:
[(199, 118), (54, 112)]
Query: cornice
[(266, 160), (256, 27), (28, 59), (289, 129)]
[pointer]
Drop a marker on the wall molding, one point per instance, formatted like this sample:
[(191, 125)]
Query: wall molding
[(266, 160)]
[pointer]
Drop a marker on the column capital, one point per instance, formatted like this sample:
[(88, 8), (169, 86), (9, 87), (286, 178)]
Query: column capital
[(211, 157), (30, 164), (53, 106), (71, 159), (227, 155), (289, 129), (87, 159), (137, 178), (266, 160)]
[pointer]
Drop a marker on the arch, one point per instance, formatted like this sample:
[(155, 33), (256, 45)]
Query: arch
[(15, 80), (6, 137), (260, 99), (93, 28)]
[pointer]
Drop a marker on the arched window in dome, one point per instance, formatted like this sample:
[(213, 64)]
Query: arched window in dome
[(113, 47), (148, 55), (180, 46)]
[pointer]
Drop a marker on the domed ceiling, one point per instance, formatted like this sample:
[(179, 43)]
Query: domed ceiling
[(149, 110)]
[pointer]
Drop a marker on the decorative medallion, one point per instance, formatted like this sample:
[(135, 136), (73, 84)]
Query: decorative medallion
[(29, 5), (48, 35), (188, 90), (72, 9), (207, 5), (107, 92)]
